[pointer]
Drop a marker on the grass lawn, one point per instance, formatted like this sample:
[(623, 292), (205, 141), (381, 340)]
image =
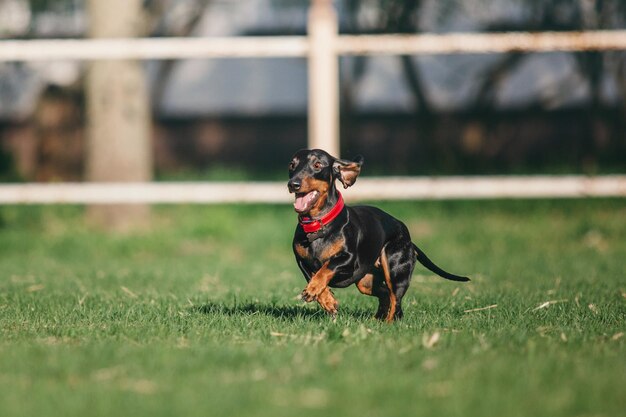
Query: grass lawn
[(198, 316)]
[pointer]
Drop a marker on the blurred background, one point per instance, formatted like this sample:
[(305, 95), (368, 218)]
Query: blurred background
[(558, 112)]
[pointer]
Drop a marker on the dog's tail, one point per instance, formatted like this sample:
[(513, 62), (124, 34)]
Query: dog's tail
[(421, 256)]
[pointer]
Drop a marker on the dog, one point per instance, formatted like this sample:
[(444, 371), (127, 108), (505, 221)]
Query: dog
[(337, 246)]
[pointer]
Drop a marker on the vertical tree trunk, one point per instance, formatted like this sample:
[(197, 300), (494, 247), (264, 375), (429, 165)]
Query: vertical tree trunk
[(118, 114), (323, 78)]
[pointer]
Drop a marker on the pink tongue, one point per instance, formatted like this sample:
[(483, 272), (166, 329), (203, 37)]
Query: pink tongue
[(300, 203)]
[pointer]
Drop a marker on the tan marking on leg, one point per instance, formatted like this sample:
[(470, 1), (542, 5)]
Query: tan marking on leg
[(392, 295), (365, 284), (318, 283), (327, 301)]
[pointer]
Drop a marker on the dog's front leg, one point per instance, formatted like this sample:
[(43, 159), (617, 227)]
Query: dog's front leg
[(319, 281)]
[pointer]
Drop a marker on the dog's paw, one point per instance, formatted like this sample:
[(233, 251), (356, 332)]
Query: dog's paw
[(307, 296), (328, 302)]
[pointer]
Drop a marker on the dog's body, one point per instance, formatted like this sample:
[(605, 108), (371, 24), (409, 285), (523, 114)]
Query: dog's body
[(337, 246)]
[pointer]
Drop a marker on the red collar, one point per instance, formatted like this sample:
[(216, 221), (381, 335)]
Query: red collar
[(310, 225)]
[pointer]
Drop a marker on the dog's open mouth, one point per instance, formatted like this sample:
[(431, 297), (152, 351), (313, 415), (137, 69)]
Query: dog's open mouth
[(305, 201)]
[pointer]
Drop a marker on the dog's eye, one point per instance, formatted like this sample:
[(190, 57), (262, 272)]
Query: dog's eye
[(292, 165), (317, 165)]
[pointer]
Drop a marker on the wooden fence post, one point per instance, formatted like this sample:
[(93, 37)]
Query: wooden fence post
[(323, 67)]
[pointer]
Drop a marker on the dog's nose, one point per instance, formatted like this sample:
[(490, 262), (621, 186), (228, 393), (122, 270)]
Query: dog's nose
[(294, 185)]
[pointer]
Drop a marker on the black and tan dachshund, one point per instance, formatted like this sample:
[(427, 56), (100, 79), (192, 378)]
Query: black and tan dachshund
[(337, 246)]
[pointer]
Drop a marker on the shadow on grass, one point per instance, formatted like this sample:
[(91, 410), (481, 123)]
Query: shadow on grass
[(287, 312)]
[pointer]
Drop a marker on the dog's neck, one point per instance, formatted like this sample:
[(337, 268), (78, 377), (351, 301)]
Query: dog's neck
[(331, 200)]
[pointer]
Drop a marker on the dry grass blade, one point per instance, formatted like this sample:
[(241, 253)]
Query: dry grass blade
[(481, 308), (430, 341), (548, 303), (129, 292), (35, 287)]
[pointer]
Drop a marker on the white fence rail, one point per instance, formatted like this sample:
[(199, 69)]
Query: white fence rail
[(322, 47), (153, 48), (276, 192), (299, 46)]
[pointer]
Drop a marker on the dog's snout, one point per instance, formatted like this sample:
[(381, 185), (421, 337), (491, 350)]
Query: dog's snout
[(294, 184)]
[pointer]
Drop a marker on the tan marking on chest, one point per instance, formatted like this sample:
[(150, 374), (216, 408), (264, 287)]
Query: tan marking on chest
[(302, 251), (332, 249)]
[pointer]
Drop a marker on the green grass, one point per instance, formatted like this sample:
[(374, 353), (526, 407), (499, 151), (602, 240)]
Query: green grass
[(198, 316)]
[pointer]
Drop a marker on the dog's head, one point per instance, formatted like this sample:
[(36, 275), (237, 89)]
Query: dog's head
[(312, 175)]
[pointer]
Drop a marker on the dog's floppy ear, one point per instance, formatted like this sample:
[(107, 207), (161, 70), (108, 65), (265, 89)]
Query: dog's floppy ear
[(347, 171)]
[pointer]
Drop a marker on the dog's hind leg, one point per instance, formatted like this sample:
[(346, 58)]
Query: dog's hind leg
[(397, 261)]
